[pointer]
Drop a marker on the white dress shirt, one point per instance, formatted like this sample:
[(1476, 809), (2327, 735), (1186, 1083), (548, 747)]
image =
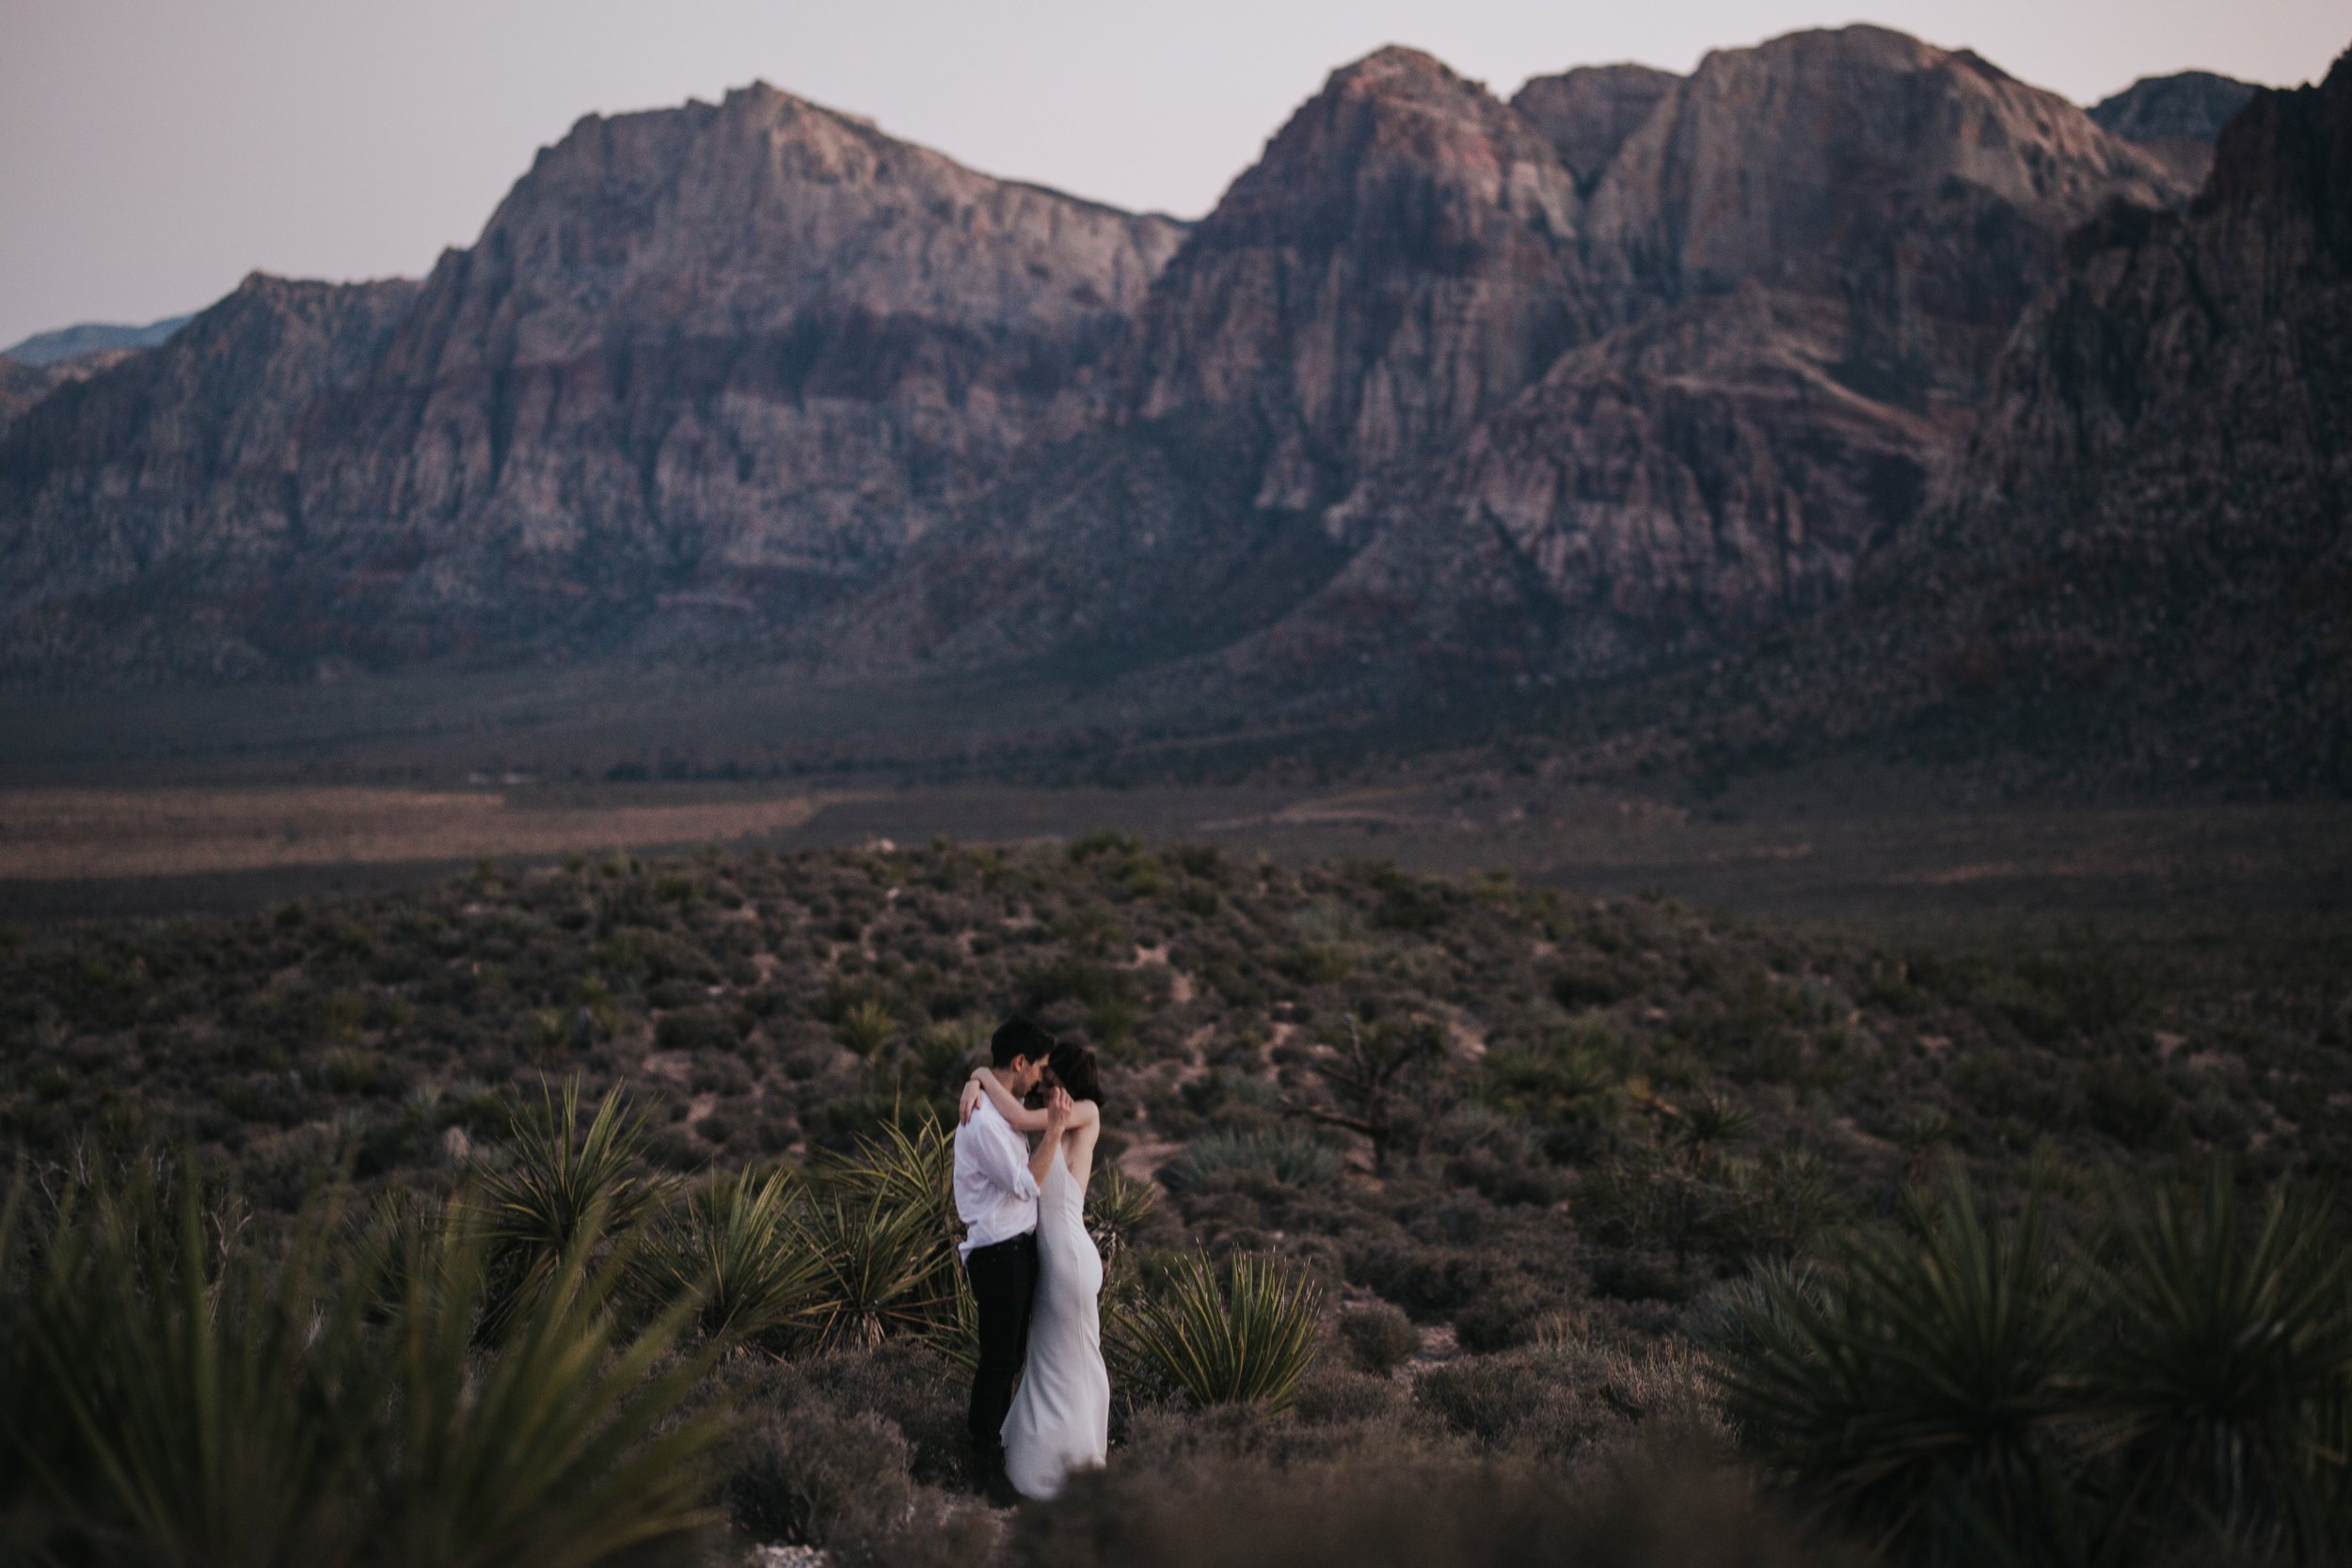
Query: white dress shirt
[(996, 1194)]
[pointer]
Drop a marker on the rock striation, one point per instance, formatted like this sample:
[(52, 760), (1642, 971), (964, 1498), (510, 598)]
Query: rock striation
[(2141, 577)]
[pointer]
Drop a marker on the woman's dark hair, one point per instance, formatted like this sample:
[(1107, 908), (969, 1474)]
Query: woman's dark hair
[(1074, 1070)]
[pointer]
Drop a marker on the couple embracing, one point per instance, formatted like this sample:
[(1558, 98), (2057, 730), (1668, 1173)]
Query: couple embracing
[(1034, 1271)]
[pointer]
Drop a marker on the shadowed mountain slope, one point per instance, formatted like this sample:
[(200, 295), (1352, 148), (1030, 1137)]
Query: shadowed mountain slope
[(2142, 575)]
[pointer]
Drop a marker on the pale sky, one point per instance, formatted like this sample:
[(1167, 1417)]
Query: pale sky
[(153, 152)]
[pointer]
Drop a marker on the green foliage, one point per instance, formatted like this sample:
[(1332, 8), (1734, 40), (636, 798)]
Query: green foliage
[(563, 1178), (735, 1252), (1245, 1334), (879, 1262), (1379, 1336), (1919, 1388), (1964, 1392), (2221, 1380), (1270, 1154), (1117, 1210), (180, 1390), (866, 1028)]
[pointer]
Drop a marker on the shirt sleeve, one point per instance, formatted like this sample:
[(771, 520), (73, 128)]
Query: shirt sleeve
[(1000, 1164)]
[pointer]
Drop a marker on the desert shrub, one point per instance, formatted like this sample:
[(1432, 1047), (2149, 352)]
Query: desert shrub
[(916, 1389), (695, 1028), (1527, 1399), (1594, 981), (1334, 1395), (1242, 1334), (1426, 1281), (2132, 1105), (1380, 1338), (1315, 964), (1509, 1314), (809, 1473), (1271, 1154)]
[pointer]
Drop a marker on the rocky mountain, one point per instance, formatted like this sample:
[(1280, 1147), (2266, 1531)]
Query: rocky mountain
[(710, 361), (1612, 380), (1587, 114), (2141, 575), (1785, 290), (2178, 118), (88, 338), (22, 386)]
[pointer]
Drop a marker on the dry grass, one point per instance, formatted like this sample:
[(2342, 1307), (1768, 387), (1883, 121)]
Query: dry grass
[(75, 834)]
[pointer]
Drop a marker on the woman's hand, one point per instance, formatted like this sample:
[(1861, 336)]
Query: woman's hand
[(970, 1101)]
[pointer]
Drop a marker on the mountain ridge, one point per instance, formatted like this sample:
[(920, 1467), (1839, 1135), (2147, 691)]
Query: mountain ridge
[(1447, 394)]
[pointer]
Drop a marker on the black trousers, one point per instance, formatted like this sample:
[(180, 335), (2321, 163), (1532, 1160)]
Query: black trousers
[(1004, 1283)]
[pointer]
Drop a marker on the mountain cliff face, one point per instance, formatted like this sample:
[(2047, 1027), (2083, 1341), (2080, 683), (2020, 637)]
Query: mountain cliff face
[(1398, 263), (1587, 114), (2143, 576), (1816, 247), (140, 500), (1631, 369), (701, 361)]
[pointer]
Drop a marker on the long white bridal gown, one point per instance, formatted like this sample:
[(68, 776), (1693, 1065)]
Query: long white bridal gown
[(1062, 1417)]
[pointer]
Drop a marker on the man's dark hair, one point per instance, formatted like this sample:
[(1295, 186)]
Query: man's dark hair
[(1019, 1037)]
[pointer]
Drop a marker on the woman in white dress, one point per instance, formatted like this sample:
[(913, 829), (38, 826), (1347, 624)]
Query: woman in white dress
[(1060, 1417)]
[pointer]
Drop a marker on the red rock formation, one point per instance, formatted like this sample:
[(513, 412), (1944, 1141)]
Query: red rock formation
[(1399, 263), (1587, 114)]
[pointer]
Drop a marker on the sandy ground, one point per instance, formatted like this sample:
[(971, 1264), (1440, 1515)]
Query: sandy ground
[(79, 834)]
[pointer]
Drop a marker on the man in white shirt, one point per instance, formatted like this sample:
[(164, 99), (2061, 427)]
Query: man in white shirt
[(997, 1189)]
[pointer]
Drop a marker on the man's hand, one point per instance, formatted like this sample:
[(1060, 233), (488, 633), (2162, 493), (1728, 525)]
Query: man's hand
[(973, 1095), (1058, 1107)]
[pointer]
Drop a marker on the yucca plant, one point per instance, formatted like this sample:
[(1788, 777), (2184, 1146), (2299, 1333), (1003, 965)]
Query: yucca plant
[(1118, 1208), (565, 1449), (910, 1168), (536, 1209), (733, 1250), (2225, 1350), (202, 1407), (1918, 1390), (1243, 1333), (867, 1028), (181, 1396), (878, 1268)]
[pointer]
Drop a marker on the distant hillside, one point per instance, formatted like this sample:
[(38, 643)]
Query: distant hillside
[(2178, 117), (67, 343)]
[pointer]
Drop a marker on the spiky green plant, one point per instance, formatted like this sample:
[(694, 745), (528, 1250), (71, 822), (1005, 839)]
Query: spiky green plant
[(1285, 1155), (1919, 1388), (184, 1394), (566, 1449), (878, 1268), (538, 1207), (867, 1028), (1118, 1208), (176, 1399), (1240, 1335), (2225, 1349), (733, 1249)]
